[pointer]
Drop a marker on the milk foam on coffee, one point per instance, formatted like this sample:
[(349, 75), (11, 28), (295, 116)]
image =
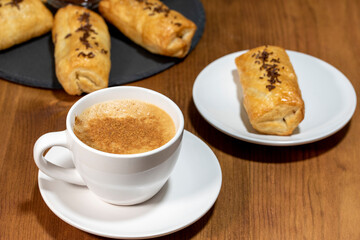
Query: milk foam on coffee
[(124, 126)]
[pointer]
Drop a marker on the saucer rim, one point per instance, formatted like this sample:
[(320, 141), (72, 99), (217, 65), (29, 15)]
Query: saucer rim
[(144, 235)]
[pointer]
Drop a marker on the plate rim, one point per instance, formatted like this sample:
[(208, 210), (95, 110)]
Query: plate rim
[(282, 140)]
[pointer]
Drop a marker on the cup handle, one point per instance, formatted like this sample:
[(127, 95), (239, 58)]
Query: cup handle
[(47, 141)]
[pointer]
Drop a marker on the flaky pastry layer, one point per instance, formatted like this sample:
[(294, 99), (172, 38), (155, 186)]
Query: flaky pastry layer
[(23, 20), (82, 50), (151, 24), (271, 94)]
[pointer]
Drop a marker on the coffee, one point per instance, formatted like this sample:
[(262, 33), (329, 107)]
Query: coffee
[(124, 126)]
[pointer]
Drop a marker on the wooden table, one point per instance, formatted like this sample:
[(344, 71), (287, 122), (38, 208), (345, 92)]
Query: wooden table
[(302, 192)]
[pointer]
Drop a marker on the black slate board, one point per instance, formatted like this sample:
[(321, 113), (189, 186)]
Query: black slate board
[(32, 63)]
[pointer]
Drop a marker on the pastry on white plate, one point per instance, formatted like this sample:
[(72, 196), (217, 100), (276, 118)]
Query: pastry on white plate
[(271, 94)]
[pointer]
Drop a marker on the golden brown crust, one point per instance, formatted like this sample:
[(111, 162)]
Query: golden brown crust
[(23, 20), (151, 24), (272, 97), (82, 50)]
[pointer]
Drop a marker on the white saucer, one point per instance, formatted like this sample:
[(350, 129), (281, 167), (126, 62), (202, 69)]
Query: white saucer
[(189, 193), (329, 97)]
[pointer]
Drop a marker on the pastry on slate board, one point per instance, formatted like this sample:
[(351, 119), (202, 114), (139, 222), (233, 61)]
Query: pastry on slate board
[(272, 97), (22, 20), (82, 50), (151, 24)]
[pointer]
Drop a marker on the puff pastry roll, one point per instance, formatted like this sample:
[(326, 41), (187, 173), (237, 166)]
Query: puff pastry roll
[(82, 50), (151, 24), (272, 98), (22, 20)]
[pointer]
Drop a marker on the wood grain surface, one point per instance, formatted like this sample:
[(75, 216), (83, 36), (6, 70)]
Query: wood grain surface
[(302, 192)]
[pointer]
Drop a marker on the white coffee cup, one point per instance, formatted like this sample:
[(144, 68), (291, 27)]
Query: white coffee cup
[(121, 179)]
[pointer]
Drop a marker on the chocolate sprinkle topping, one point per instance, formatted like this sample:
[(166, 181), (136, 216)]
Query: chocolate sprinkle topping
[(272, 70), (89, 55), (68, 35), (154, 8), (14, 3), (263, 56), (84, 40), (82, 54), (86, 29), (275, 60), (270, 87), (85, 17), (161, 8)]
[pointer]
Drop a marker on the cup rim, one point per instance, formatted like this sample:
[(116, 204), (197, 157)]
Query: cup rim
[(178, 133)]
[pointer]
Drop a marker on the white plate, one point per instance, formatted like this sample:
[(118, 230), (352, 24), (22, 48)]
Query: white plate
[(189, 193), (329, 97)]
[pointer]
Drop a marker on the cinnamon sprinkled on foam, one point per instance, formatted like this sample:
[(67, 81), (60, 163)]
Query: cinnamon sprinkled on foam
[(124, 127)]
